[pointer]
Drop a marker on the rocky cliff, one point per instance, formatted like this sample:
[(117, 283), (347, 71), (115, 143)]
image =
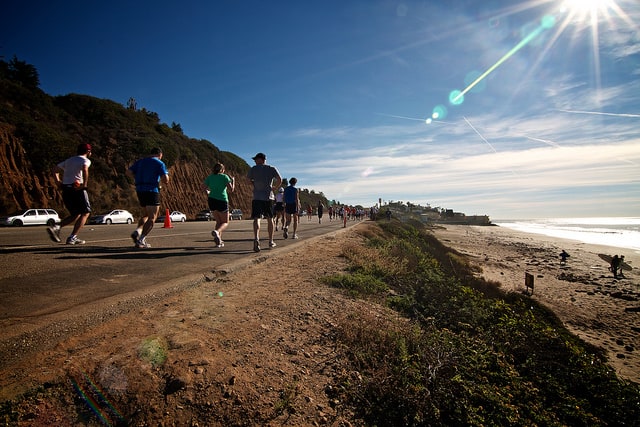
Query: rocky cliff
[(184, 193), (38, 131), (22, 186)]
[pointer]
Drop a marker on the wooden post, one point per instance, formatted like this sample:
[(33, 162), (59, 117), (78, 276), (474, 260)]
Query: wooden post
[(528, 283)]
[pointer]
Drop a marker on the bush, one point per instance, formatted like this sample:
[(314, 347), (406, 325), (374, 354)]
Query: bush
[(465, 353)]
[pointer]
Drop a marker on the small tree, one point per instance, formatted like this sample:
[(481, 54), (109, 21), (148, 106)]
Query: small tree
[(23, 73), (176, 127)]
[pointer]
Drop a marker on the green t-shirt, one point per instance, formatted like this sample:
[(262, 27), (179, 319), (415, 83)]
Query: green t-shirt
[(217, 184)]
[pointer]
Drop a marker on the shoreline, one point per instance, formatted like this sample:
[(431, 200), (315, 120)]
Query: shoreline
[(592, 304), (611, 240)]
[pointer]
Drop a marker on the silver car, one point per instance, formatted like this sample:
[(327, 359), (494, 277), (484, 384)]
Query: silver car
[(175, 216), (116, 216)]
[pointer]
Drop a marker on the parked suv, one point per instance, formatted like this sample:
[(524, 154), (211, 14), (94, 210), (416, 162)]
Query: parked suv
[(236, 214), (204, 215), (31, 217)]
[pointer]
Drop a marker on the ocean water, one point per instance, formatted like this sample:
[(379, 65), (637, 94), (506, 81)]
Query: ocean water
[(610, 231)]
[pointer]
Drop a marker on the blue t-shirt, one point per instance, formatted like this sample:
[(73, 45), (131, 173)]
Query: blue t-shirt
[(148, 172), (290, 195)]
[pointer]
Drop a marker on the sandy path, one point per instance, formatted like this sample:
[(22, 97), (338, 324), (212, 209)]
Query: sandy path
[(601, 310)]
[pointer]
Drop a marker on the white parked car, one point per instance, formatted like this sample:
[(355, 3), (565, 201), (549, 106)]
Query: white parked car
[(175, 216), (116, 216), (31, 217)]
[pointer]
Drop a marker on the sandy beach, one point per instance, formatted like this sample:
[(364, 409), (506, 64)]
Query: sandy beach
[(590, 302)]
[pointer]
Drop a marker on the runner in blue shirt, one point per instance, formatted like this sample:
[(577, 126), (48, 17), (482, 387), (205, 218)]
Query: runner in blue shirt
[(148, 172)]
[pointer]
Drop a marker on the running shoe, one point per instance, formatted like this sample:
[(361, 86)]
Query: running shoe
[(272, 244), (256, 245), (286, 232), (75, 241), (216, 237), (220, 245), (295, 236), (135, 236), (54, 233), (142, 244)]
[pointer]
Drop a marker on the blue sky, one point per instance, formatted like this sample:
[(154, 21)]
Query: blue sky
[(338, 92)]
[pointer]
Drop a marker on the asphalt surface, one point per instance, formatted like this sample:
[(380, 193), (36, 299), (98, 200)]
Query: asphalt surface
[(43, 283)]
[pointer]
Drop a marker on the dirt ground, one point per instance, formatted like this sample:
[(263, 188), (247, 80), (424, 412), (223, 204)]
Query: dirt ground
[(251, 345), (254, 345)]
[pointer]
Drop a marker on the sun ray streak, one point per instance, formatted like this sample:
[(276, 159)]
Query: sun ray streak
[(399, 117), (596, 52), (545, 141), (479, 134), (485, 140), (598, 113)]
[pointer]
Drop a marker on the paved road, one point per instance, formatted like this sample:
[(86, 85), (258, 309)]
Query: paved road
[(42, 282)]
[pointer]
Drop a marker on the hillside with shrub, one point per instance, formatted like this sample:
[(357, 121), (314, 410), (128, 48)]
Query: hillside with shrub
[(37, 131)]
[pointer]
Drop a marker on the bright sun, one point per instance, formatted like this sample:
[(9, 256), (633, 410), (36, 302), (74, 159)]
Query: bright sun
[(581, 7)]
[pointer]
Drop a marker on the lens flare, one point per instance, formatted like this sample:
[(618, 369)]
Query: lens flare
[(471, 77), (457, 97), (439, 112), (97, 401)]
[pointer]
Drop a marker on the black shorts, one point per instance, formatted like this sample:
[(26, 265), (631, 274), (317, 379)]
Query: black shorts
[(279, 207), (218, 205), (76, 201), (291, 208), (148, 198), (261, 208)]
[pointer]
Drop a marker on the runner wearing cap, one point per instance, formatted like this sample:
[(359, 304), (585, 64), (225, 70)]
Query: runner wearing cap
[(266, 179), (74, 180)]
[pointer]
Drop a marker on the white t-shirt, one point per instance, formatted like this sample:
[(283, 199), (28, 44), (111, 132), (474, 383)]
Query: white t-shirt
[(73, 167)]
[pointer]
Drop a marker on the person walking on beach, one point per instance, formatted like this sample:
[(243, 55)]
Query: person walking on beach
[(218, 184), (265, 179), (563, 257), (620, 274), (615, 265), (148, 173), (291, 208), (75, 177)]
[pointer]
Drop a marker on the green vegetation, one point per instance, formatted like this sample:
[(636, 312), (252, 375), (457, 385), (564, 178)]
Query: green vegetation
[(463, 352), (154, 350)]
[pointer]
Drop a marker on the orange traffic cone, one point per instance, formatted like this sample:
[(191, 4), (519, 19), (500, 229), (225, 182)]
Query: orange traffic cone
[(167, 220)]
